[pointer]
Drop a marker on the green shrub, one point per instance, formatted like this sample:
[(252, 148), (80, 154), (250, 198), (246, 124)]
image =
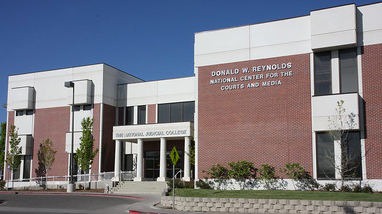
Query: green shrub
[(202, 184), (2, 184), (303, 179), (345, 188), (357, 188), (267, 175), (329, 187), (218, 173), (241, 171), (367, 189)]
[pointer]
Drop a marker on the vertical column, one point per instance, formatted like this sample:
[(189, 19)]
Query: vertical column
[(117, 159), (139, 160), (186, 159), (162, 163)]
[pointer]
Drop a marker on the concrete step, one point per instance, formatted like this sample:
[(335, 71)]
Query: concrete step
[(144, 187)]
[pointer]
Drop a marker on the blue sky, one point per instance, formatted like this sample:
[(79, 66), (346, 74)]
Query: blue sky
[(151, 39)]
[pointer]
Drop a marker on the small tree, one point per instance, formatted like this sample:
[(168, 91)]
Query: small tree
[(85, 154), (46, 157), (13, 154), (340, 125), (2, 145), (241, 171)]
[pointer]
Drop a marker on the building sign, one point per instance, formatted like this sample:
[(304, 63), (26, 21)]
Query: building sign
[(153, 131), (251, 77)]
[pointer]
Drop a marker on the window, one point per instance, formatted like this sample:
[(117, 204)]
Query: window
[(27, 166), (322, 73), (87, 107), (29, 112), (348, 70), (19, 112), (129, 115), (141, 114), (352, 155), (164, 113), (76, 108), (348, 159), (325, 156), (176, 112)]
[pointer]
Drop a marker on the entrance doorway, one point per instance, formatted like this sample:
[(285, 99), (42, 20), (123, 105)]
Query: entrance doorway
[(151, 165)]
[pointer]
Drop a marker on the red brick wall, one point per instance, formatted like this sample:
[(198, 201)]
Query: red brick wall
[(372, 94), (96, 132), (151, 113), (52, 123), (264, 125), (108, 145)]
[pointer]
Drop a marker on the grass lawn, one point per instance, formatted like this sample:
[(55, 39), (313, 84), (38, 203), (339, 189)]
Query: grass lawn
[(280, 194)]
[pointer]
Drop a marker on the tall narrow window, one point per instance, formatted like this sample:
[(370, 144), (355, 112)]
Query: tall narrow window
[(130, 115), (188, 111), (322, 73), (325, 156), (141, 114), (176, 112), (351, 156), (27, 166), (348, 70), (163, 113)]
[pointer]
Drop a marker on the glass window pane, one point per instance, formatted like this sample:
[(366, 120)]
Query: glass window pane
[(322, 73), (87, 107), (176, 112), (141, 114), (129, 115), (325, 156), (29, 112), (163, 113), (353, 151), (348, 70), (19, 112), (76, 108), (27, 166), (188, 111)]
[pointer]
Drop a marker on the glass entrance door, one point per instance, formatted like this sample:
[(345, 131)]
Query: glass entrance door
[(151, 165)]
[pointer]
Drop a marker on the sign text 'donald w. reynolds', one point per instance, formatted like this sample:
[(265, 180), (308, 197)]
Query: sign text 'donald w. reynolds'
[(251, 77)]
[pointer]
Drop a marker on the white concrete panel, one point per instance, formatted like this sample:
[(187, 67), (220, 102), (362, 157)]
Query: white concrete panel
[(82, 92), (222, 57), (336, 39), (370, 17), (68, 142), (176, 90), (24, 124), (280, 50), (78, 117), (142, 93), (111, 79), (21, 98), (222, 40), (333, 27), (371, 37), (162, 91), (280, 32), (326, 117)]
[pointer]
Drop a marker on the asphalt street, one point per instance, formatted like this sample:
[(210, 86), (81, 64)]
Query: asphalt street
[(62, 203)]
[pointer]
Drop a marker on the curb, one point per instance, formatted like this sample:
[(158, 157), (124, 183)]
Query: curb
[(66, 193)]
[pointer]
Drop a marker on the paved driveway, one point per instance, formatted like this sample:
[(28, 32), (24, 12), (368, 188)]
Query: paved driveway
[(63, 203)]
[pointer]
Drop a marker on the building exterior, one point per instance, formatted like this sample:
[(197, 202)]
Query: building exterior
[(268, 93)]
